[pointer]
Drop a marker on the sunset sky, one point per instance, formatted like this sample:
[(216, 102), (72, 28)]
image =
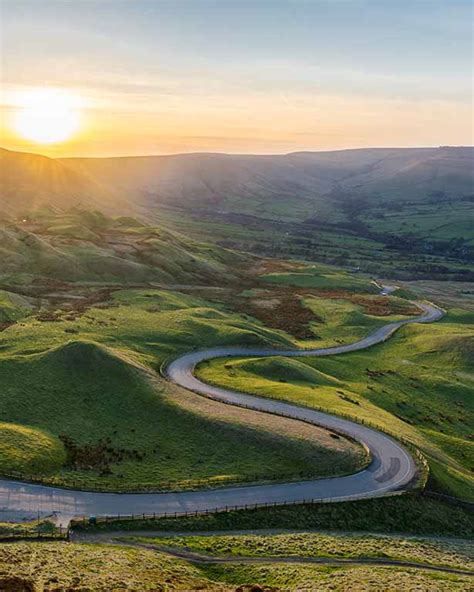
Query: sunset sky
[(151, 77)]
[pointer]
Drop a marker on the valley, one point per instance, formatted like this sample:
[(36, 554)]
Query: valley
[(236, 296), (96, 308)]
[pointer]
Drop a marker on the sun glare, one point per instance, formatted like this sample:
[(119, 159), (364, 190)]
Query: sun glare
[(46, 115)]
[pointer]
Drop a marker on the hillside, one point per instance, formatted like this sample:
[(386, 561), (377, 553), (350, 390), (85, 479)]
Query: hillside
[(29, 181), (82, 406), (217, 178), (418, 384), (87, 246), (401, 212), (319, 187)]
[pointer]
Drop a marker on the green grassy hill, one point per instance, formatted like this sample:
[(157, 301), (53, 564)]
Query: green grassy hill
[(82, 407), (87, 246), (13, 307), (417, 385), (315, 305)]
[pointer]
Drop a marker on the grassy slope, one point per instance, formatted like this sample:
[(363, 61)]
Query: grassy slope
[(417, 385), (340, 246), (405, 514), (13, 307), (155, 324), (56, 566), (453, 553), (84, 246), (58, 384), (339, 321), (367, 579), (63, 566)]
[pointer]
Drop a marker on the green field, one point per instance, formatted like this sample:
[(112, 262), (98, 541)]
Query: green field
[(388, 246), (322, 277)]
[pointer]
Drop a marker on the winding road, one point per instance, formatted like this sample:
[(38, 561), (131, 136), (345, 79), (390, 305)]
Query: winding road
[(392, 468)]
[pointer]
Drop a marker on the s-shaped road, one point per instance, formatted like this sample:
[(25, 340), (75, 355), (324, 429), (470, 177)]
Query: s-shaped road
[(392, 468)]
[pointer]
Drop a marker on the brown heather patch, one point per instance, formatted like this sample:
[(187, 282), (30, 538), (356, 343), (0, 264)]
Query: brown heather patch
[(96, 456), (288, 312), (282, 307), (284, 310), (98, 298), (73, 307)]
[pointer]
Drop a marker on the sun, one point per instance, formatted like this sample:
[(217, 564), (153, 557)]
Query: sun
[(47, 115)]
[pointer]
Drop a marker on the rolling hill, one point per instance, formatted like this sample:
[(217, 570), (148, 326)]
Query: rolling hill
[(87, 246), (310, 180), (209, 179), (362, 208)]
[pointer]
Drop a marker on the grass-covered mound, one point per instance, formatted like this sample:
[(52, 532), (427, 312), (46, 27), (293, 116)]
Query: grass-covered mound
[(154, 324), (458, 349), (281, 370), (113, 427), (342, 321)]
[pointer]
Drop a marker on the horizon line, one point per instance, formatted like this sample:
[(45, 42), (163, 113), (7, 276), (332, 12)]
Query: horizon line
[(249, 154)]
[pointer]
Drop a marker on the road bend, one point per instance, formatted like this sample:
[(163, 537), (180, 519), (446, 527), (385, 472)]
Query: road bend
[(392, 468)]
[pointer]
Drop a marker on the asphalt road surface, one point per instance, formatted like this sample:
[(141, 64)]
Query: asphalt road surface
[(392, 468)]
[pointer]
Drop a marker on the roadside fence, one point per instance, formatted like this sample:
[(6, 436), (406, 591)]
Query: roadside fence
[(92, 520)]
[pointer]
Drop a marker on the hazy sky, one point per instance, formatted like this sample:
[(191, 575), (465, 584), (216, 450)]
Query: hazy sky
[(157, 76)]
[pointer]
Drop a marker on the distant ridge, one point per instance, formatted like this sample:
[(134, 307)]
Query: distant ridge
[(324, 188)]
